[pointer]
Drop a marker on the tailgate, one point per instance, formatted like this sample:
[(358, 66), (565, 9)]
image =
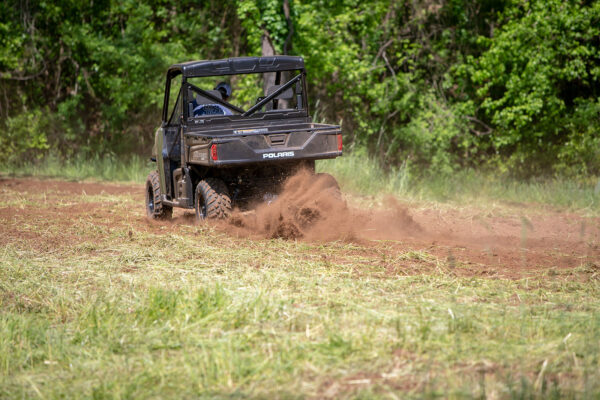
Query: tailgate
[(267, 144)]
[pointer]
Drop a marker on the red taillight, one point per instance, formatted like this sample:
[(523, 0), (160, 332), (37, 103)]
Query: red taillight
[(339, 139), (213, 152)]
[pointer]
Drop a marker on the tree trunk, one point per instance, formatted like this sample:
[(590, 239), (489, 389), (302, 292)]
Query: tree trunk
[(268, 50)]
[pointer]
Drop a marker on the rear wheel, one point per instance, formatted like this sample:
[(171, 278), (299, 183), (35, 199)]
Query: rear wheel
[(155, 208), (212, 199)]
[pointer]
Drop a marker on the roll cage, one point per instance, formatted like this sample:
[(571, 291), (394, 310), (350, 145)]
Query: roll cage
[(233, 66)]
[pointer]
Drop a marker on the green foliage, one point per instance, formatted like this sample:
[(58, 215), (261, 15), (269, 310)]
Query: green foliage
[(538, 83), (259, 16), (442, 86), (580, 153), (25, 135), (428, 138), (99, 69)]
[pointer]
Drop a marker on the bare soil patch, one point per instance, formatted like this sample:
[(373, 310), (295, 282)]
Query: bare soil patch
[(523, 241), (67, 187)]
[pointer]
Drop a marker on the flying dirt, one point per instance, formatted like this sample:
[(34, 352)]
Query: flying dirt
[(311, 207)]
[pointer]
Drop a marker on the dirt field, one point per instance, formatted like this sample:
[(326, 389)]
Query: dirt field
[(312, 296), (510, 241)]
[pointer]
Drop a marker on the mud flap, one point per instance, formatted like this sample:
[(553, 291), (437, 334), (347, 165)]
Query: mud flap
[(188, 189), (160, 162)]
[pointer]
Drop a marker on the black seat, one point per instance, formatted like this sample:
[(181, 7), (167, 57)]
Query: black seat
[(200, 100), (285, 95)]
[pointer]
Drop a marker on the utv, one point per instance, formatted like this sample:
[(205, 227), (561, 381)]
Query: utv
[(232, 131)]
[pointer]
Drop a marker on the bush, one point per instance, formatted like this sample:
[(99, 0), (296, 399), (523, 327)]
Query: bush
[(537, 84), (24, 136)]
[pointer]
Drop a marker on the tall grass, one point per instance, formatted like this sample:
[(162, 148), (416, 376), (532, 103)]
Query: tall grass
[(107, 168), (360, 175)]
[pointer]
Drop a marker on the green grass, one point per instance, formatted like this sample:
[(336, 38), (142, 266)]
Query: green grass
[(364, 176), (105, 307), (107, 168), (360, 175)]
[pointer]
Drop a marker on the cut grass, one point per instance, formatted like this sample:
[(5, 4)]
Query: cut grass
[(107, 308)]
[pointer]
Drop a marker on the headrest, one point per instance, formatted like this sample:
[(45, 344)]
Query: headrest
[(205, 100), (287, 94), (224, 87)]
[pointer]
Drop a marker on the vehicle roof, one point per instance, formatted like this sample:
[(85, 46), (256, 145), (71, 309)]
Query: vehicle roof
[(237, 65)]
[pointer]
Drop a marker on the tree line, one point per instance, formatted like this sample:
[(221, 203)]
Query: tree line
[(440, 85)]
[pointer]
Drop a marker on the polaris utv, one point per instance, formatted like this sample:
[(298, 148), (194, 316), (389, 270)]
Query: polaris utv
[(232, 131)]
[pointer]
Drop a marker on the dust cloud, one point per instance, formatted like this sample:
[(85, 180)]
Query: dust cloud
[(311, 207)]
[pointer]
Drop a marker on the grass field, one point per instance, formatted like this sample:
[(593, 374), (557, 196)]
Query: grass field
[(360, 175), (97, 302)]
